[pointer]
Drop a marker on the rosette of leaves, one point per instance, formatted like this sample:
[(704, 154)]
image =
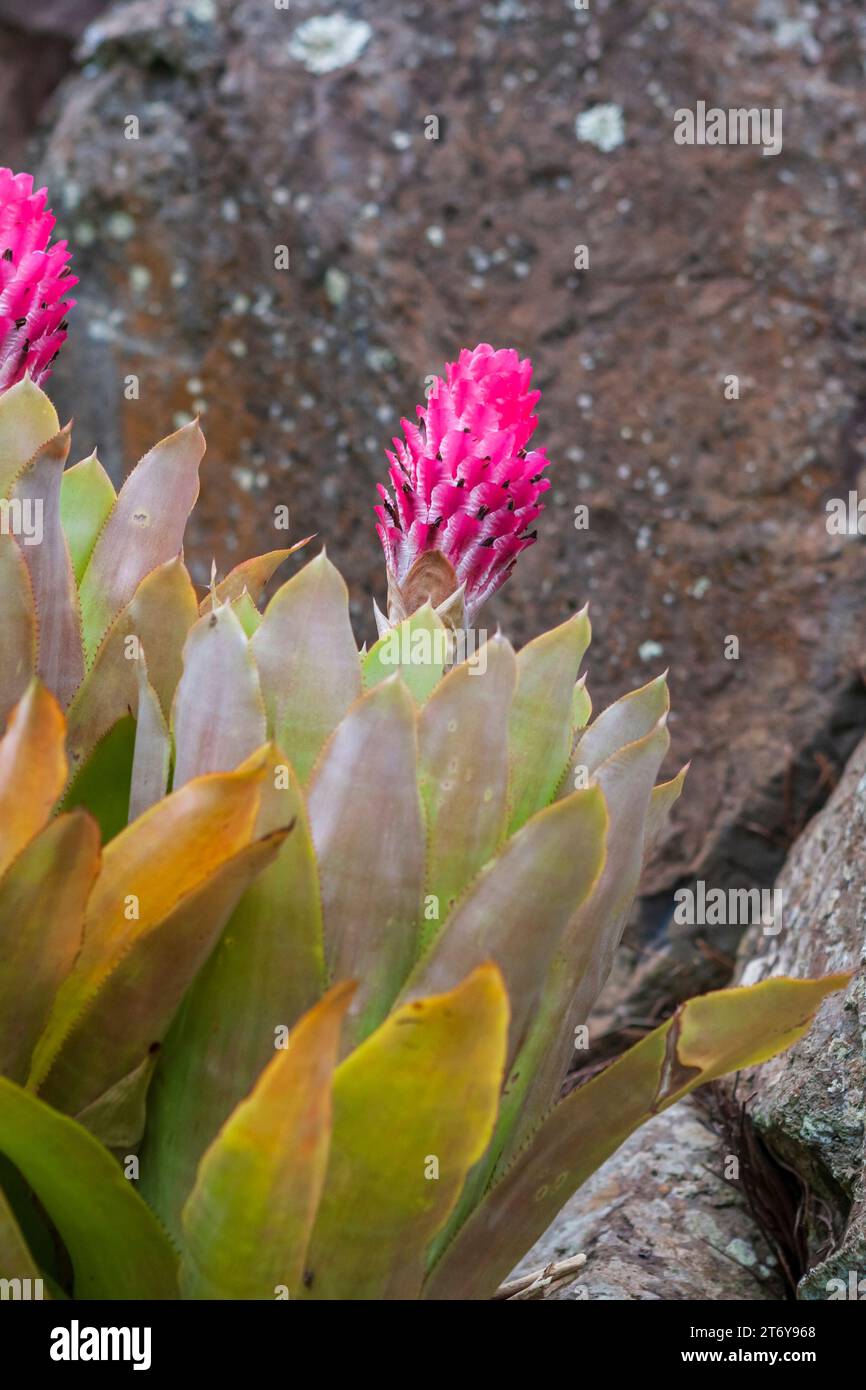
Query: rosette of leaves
[(294, 939)]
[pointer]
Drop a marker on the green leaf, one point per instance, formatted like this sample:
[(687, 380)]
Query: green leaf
[(308, 662), (145, 529), (540, 729), (32, 1220), (117, 1247), (581, 709), (103, 786), (416, 650), (27, 421), (18, 628), (216, 734), (59, 655), (86, 497), (247, 614), (42, 900), (413, 1110), (706, 1038), (266, 970), (16, 1261), (247, 1223), (365, 818)]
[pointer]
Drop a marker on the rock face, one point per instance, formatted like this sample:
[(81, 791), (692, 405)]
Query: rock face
[(658, 1221), (267, 234), (809, 1103), (36, 46)]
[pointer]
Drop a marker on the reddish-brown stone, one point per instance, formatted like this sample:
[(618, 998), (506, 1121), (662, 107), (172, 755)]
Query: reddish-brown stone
[(707, 516)]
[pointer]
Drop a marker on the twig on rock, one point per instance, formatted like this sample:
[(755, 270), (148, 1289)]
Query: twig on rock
[(543, 1281)]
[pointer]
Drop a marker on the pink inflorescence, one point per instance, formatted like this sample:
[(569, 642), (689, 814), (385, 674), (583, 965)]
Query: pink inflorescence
[(464, 481), (34, 278)]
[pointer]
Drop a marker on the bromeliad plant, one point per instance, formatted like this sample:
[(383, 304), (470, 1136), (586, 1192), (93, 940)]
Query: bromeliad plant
[(294, 939)]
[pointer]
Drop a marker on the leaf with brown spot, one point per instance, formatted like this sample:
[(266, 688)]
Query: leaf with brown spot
[(144, 529)]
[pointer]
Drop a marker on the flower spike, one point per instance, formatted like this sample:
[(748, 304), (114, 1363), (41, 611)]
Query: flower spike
[(34, 280), (465, 485)]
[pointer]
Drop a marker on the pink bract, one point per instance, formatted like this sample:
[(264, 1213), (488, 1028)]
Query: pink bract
[(464, 481), (34, 278)]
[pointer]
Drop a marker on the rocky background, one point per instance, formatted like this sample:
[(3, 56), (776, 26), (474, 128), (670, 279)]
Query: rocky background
[(191, 147)]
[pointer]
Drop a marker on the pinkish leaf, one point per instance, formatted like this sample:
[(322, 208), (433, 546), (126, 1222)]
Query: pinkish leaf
[(519, 907), (59, 655), (463, 772), (145, 529), (158, 618), (152, 756), (364, 814), (250, 575), (623, 722), (662, 801), (216, 734), (308, 663)]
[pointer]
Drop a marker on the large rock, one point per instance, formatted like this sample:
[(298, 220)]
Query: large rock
[(809, 1103), (36, 46), (707, 515), (659, 1221)]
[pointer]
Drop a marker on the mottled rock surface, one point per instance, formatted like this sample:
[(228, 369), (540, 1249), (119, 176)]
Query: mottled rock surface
[(706, 515), (810, 1103), (659, 1221), (36, 52)]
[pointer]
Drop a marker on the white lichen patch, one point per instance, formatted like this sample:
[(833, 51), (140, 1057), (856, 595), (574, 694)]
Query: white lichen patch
[(120, 226), (602, 126), (650, 651), (336, 285), (326, 43)]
